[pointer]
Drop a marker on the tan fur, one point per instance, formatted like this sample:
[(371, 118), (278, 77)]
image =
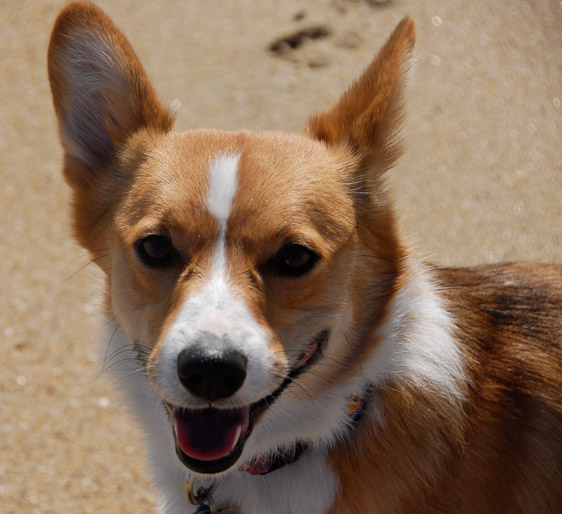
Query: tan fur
[(497, 449)]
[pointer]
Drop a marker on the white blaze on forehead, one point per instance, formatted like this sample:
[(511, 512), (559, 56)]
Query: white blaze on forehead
[(223, 182), (218, 309)]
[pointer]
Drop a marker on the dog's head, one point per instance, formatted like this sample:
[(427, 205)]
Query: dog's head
[(246, 269)]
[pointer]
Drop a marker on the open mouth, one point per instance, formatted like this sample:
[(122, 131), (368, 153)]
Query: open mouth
[(211, 440)]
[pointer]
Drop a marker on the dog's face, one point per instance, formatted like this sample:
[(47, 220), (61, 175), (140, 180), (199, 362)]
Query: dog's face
[(237, 264), (229, 269)]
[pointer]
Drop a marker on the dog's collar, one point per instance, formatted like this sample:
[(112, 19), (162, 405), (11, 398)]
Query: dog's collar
[(265, 465), (262, 466)]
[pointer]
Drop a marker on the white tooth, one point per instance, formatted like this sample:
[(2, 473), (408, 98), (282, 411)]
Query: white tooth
[(237, 437)]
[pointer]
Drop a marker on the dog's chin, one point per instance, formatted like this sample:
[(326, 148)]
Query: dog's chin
[(211, 440)]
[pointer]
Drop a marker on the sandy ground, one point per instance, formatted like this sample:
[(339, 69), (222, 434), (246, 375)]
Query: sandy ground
[(481, 181)]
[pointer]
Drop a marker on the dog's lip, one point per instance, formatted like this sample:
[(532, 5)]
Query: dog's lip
[(226, 452)]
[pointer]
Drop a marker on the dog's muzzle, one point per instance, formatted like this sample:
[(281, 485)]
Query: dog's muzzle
[(211, 440)]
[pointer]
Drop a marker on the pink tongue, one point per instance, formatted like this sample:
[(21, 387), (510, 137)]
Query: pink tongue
[(209, 434)]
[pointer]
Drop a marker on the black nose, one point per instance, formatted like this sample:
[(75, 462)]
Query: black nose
[(211, 375)]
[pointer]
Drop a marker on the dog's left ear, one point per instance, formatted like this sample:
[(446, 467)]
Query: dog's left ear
[(368, 115), (100, 91)]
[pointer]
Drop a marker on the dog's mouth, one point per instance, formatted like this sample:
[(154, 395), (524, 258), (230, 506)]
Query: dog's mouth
[(211, 440)]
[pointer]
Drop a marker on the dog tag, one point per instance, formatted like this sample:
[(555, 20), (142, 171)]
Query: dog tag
[(204, 500)]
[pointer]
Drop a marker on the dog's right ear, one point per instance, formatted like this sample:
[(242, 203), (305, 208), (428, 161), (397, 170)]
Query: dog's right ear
[(369, 114), (100, 91)]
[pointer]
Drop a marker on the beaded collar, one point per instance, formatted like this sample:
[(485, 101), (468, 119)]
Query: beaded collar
[(263, 465)]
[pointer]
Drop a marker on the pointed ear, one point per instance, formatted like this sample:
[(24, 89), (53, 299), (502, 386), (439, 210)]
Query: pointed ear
[(368, 115), (100, 90)]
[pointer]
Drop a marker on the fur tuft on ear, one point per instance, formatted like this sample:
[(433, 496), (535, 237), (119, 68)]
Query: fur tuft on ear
[(100, 91), (368, 115)]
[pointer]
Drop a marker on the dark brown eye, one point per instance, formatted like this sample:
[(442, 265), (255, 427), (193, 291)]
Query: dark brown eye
[(155, 251), (293, 260)]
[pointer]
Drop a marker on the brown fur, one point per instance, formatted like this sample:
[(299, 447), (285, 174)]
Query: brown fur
[(503, 451), (499, 450)]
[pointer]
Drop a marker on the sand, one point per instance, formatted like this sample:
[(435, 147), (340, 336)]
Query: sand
[(481, 181)]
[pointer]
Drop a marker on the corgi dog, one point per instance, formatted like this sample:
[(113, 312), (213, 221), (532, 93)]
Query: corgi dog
[(292, 354)]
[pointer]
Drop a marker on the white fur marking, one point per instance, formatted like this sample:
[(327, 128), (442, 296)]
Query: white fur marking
[(223, 183), (417, 344), (218, 309)]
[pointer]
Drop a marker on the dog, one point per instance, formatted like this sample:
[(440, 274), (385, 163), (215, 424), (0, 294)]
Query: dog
[(292, 354)]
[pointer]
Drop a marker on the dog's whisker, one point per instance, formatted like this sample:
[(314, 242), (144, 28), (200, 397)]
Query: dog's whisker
[(138, 371), (117, 353), (142, 352), (109, 361), (295, 382), (88, 254), (132, 373), (107, 349), (113, 365), (92, 261), (104, 325), (355, 354)]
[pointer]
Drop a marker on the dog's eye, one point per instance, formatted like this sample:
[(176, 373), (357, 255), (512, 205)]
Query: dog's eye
[(293, 260), (155, 251)]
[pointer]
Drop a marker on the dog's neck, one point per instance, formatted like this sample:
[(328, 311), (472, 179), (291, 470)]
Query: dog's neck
[(203, 497), (265, 465)]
